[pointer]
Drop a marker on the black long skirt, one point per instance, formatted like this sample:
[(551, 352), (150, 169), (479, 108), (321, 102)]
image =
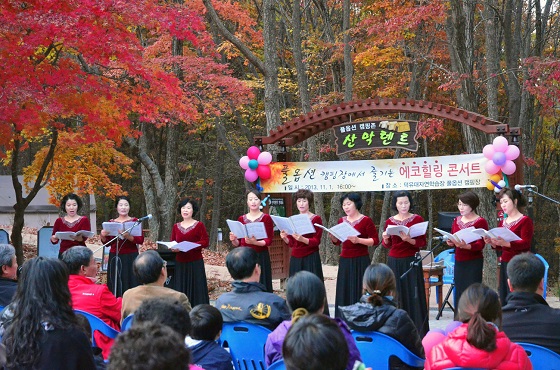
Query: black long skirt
[(266, 270), (190, 278), (466, 273), (311, 263), (503, 288), (349, 282), (124, 274), (411, 294)]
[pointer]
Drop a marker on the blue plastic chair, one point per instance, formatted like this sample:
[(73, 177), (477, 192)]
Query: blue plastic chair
[(541, 357), (278, 365), (376, 349), (545, 273), (246, 344), (448, 258), (127, 322), (98, 325)]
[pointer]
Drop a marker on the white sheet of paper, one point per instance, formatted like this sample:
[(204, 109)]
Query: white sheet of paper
[(302, 224), (414, 231), (467, 235), (115, 228), (257, 230), (283, 224), (182, 246), (69, 235), (237, 228), (496, 232), (341, 231)]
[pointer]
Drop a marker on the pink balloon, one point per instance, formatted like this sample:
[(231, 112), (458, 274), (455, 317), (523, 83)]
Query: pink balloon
[(431, 339), (488, 151), (244, 162), (264, 172), (500, 144), (499, 158), (512, 152), (509, 168), (491, 168), (251, 175), (253, 152), (452, 326), (265, 158)]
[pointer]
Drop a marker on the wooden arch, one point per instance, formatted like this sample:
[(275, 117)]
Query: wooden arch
[(305, 126)]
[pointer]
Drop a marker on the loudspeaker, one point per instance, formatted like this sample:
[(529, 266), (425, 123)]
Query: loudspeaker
[(445, 220), (170, 258)]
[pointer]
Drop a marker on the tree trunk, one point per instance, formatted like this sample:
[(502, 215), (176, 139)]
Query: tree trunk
[(492, 57)]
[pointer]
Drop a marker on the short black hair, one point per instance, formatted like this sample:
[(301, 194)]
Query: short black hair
[(525, 272), (241, 262), (305, 347), (398, 194), (306, 290), (68, 197), (206, 322), (354, 197), (184, 202), (470, 198), (76, 257), (149, 346), (147, 267), (166, 311), (121, 197)]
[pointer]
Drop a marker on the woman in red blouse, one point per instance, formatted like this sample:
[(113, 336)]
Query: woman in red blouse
[(71, 204), (190, 274), (305, 248), (511, 202), (260, 246), (402, 254), (468, 257), (354, 257), (123, 252)]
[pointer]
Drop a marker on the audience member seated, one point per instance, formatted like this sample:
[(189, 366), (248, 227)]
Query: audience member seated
[(526, 316), (97, 353), (87, 296), (8, 274), (44, 333), (166, 311), (377, 311), (149, 345), (478, 341), (206, 327), (249, 301), (306, 346), (150, 271), (305, 293)]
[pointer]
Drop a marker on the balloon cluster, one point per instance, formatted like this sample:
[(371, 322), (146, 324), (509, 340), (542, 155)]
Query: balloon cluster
[(500, 156), (436, 336), (256, 164), (496, 183)]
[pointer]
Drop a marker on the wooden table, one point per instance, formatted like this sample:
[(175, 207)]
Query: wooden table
[(433, 271)]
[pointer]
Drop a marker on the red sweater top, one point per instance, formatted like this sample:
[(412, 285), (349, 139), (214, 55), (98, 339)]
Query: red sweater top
[(399, 248), (522, 227), (62, 225), (367, 230), (269, 227), (477, 246), (300, 249), (125, 246), (195, 233)]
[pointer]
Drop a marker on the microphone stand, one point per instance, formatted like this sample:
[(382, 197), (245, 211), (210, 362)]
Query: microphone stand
[(118, 236), (530, 192)]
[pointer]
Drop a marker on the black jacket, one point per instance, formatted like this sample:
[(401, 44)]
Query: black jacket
[(250, 302), (527, 317), (386, 319), (7, 290)]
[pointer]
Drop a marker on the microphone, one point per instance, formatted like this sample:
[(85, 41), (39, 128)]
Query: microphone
[(519, 187), (148, 217), (442, 238)]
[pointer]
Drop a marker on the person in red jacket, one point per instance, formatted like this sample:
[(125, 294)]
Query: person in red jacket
[(512, 203), (90, 297), (478, 342)]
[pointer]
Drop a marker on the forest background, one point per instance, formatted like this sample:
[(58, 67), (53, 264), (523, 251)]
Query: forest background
[(159, 100)]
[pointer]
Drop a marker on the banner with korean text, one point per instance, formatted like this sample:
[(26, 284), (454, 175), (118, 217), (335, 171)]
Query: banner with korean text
[(445, 172)]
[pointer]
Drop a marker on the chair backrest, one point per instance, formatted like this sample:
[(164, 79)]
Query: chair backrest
[(545, 278), (4, 237), (44, 246), (278, 365), (376, 349), (127, 322), (448, 258), (98, 325), (246, 344), (541, 357)]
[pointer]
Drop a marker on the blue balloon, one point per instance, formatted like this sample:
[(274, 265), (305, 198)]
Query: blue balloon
[(253, 164)]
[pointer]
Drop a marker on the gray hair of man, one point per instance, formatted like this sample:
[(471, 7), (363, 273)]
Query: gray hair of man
[(7, 253), (76, 257)]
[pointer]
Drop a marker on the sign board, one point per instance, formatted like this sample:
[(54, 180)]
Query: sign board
[(375, 135), (445, 172)]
